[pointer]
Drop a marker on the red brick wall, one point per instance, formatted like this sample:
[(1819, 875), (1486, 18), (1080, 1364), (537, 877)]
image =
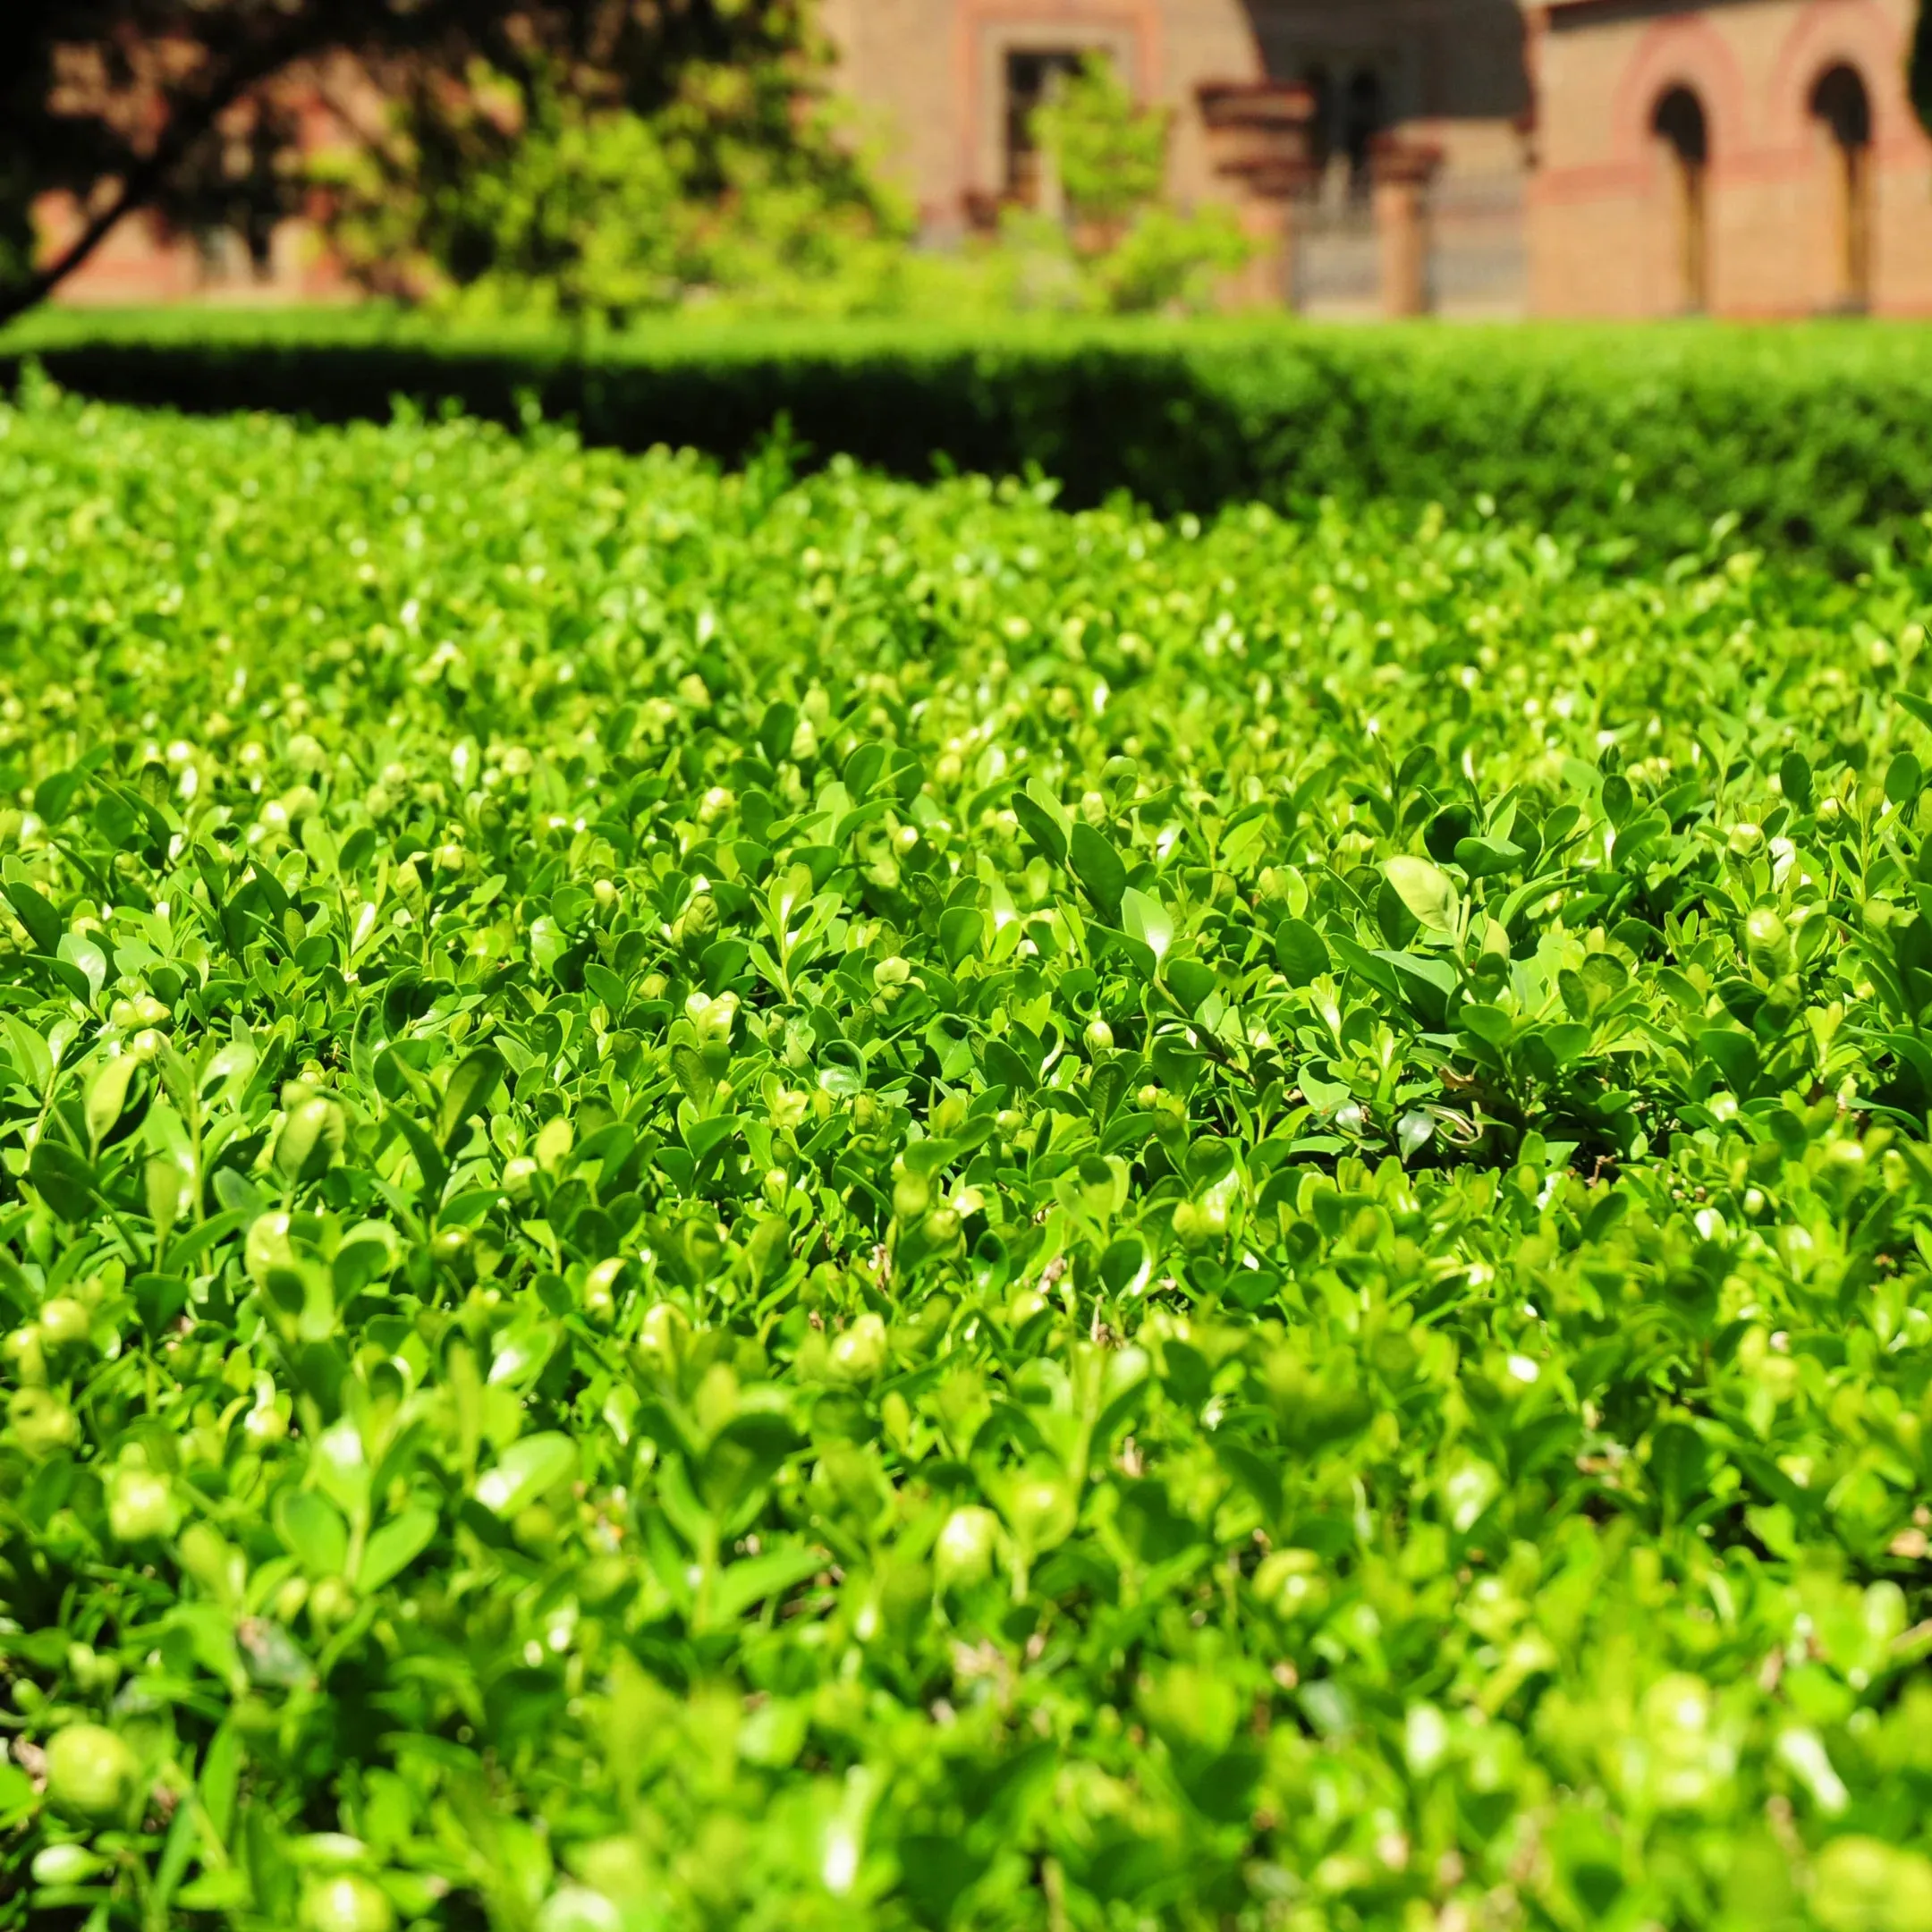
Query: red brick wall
[(141, 262), (929, 79), (1603, 222)]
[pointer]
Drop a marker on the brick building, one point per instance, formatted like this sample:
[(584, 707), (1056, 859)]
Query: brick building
[(1755, 158), (946, 85), (1461, 158)]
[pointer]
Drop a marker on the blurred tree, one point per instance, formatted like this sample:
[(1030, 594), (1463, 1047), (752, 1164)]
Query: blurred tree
[(599, 187), (1132, 252), (1110, 152), (175, 106)]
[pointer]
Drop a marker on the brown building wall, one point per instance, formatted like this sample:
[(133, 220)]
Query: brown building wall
[(1585, 216), (142, 260), (1607, 199), (929, 74), (929, 77)]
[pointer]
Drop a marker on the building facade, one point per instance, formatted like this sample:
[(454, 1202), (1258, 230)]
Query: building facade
[(1754, 158), (1460, 157), (1587, 158), (945, 88)]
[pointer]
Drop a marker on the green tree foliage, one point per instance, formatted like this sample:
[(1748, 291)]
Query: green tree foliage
[(1109, 153), (567, 188), (185, 107), (167, 105), (1134, 252)]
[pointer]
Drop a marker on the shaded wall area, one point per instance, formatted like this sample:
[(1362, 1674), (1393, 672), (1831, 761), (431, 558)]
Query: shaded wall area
[(1446, 77)]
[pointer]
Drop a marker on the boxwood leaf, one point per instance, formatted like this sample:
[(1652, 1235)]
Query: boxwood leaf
[(1097, 866), (106, 1095), (42, 922), (1040, 828), (64, 1177), (1144, 917), (314, 1531), (1300, 951), (397, 1544), (470, 1085), (1428, 893), (737, 1587), (528, 1469)]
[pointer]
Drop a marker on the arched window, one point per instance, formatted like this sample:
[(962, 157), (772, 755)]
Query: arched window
[(1844, 109), (1679, 125)]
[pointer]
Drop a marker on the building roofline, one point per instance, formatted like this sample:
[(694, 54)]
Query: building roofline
[(1629, 9)]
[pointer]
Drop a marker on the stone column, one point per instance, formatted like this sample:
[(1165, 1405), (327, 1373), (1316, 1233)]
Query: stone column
[(1403, 170), (1263, 283), (1257, 138)]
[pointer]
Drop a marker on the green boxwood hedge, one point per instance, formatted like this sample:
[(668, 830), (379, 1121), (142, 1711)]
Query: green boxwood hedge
[(1810, 438), (829, 1207)]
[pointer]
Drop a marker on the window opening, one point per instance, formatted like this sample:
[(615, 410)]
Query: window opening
[(1679, 123), (1361, 122), (1841, 103)]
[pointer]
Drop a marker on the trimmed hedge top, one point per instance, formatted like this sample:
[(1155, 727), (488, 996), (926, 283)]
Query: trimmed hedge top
[(1810, 439)]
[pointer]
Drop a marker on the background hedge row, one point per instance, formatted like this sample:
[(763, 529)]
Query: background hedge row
[(1808, 439)]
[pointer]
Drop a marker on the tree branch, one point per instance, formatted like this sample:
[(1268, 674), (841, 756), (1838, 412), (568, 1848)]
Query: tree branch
[(30, 293), (189, 120)]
